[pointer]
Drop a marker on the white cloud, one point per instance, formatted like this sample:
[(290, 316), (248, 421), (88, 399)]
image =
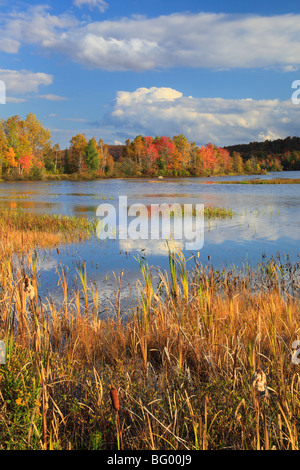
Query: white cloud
[(101, 5), (73, 119), (9, 45), (24, 81), (12, 99), (52, 97), (217, 120), (150, 247), (32, 26), (209, 40)]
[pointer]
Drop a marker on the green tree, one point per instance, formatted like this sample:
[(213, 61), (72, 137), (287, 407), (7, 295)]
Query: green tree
[(91, 156), (66, 165)]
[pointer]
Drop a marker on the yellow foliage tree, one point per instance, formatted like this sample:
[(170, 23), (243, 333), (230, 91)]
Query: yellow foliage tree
[(77, 151), (10, 158)]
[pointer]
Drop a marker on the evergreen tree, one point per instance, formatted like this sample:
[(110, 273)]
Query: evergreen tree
[(91, 156), (67, 168)]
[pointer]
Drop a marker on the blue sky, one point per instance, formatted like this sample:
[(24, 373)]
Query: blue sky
[(216, 71)]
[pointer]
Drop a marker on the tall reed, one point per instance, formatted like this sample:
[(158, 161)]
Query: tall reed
[(183, 363)]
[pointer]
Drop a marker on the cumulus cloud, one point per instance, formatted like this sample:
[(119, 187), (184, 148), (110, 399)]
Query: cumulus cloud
[(209, 40), (165, 111), (24, 81), (201, 40)]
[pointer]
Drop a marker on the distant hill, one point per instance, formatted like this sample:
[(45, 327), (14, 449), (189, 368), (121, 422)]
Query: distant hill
[(275, 148)]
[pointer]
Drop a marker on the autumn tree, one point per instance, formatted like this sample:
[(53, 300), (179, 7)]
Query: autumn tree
[(166, 150), (151, 156), (209, 158), (12, 128), (237, 163), (17, 139), (3, 146), (195, 167), (10, 158), (77, 152), (110, 164), (104, 156), (38, 137), (224, 160), (184, 148), (252, 166), (25, 162)]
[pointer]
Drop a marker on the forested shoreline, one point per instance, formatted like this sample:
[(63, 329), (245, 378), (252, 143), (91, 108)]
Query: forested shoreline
[(28, 153)]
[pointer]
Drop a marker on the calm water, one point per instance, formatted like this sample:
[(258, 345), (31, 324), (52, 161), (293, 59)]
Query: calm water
[(266, 222)]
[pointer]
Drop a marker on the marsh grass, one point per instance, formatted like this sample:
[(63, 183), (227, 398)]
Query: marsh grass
[(21, 230), (23, 221), (208, 212), (182, 360), (262, 181)]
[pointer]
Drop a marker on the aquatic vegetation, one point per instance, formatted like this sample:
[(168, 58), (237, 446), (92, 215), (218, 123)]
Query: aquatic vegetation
[(19, 220), (20, 230), (262, 181), (190, 361), (16, 196), (212, 212)]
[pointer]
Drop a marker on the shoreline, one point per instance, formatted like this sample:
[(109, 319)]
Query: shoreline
[(159, 178)]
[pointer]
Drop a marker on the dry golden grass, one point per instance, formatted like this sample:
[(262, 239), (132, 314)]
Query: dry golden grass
[(183, 362), (21, 231), (18, 241)]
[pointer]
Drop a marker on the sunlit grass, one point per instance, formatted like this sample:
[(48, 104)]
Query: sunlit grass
[(262, 181), (21, 230), (181, 360)]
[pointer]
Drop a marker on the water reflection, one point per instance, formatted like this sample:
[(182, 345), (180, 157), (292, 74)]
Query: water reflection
[(266, 221)]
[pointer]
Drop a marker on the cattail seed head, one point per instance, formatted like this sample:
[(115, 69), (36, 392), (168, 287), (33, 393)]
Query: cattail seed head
[(259, 381), (114, 398), (28, 288)]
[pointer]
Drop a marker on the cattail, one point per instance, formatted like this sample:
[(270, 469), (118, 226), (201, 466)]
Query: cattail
[(115, 403), (114, 398), (28, 288), (259, 381)]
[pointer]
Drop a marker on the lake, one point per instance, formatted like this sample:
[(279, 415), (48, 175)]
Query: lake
[(265, 223)]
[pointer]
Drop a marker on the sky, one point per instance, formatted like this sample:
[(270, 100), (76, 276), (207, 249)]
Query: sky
[(215, 71)]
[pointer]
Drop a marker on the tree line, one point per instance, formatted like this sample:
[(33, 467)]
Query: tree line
[(282, 154), (27, 151), (148, 156)]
